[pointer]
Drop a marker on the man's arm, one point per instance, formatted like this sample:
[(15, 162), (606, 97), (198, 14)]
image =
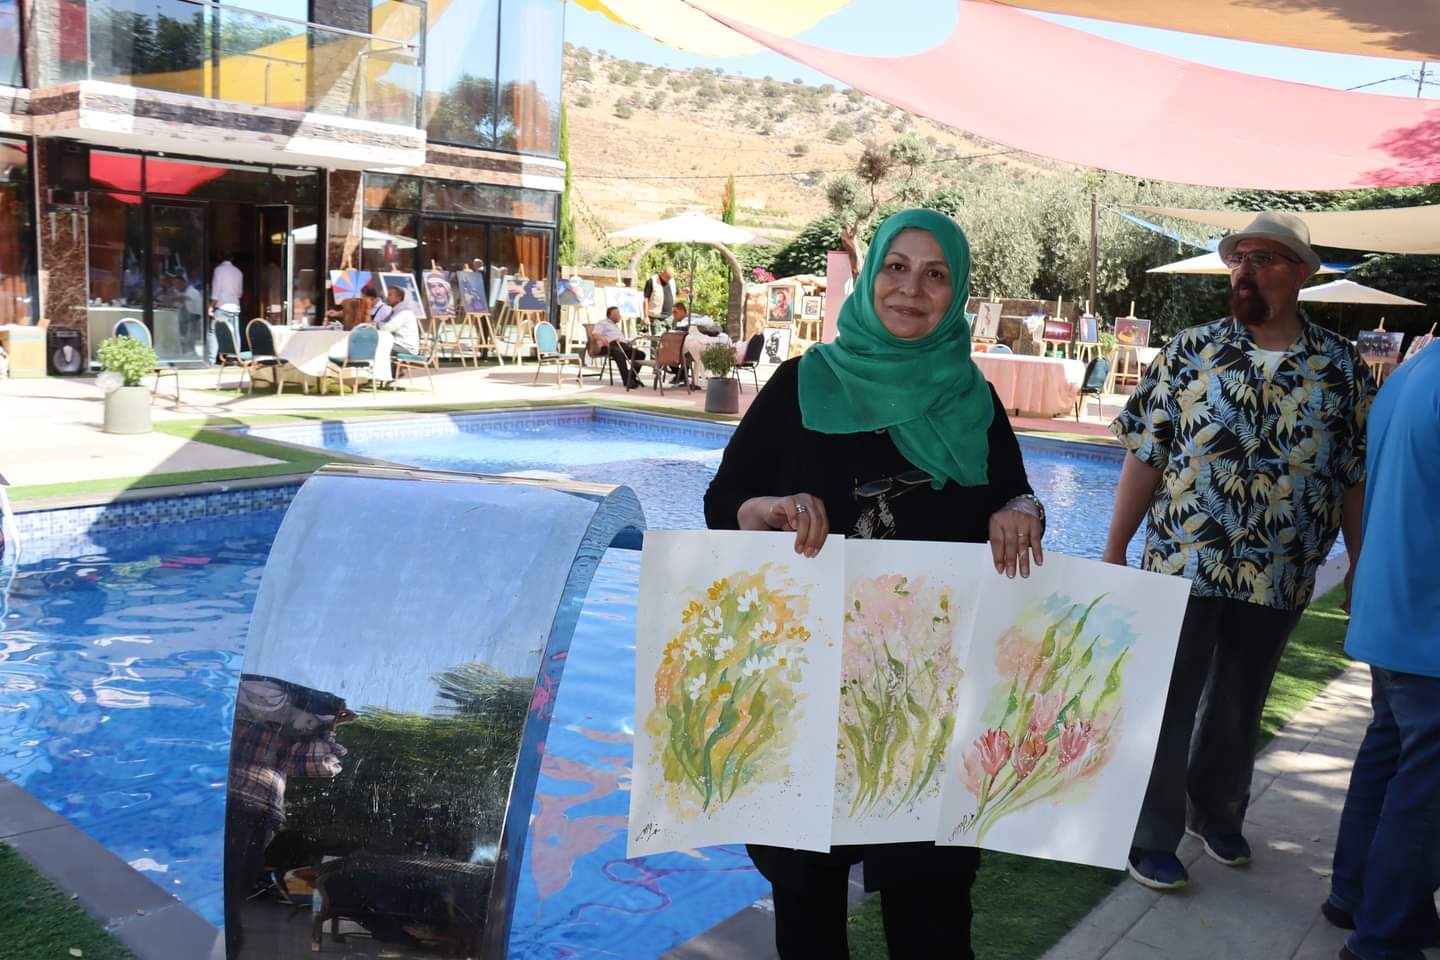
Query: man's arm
[(1138, 481), (1352, 513)]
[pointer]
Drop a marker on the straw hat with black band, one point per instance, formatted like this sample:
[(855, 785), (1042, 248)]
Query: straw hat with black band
[(1285, 229)]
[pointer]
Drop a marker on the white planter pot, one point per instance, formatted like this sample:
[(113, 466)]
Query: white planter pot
[(127, 410)]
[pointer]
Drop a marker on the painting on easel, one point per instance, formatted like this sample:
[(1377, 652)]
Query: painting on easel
[(472, 292), (439, 294)]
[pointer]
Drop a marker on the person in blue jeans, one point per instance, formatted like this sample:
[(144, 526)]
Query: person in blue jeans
[(1387, 855)]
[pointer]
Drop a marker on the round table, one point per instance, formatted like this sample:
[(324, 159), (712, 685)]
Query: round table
[(1032, 386)]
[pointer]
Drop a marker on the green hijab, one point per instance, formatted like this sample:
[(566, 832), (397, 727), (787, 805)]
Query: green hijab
[(927, 392)]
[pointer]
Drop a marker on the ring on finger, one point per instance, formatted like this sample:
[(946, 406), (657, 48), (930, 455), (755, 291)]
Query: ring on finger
[(801, 508)]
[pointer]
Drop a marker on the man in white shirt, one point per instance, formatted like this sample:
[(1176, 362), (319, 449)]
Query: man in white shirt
[(227, 289), (621, 351), (401, 323)]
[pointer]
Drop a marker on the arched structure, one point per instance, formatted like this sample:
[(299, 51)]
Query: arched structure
[(734, 308)]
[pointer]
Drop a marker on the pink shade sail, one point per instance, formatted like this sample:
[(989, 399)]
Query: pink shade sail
[(1058, 92)]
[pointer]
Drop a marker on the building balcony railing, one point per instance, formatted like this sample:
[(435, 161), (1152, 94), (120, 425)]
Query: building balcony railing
[(241, 56)]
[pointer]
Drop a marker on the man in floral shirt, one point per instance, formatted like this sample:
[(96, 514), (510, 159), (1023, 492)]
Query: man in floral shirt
[(1247, 443)]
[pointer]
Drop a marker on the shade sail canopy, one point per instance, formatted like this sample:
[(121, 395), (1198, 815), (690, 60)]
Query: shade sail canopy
[(1038, 86), (1210, 263), (692, 227), (679, 25), (1348, 291), (1395, 230), (1407, 29)]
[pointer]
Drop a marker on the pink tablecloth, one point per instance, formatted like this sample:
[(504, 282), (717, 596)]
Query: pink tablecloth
[(1032, 386)]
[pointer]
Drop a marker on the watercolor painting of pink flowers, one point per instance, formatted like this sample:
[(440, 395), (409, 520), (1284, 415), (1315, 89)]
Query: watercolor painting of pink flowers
[(899, 681), (727, 695), (1053, 720)]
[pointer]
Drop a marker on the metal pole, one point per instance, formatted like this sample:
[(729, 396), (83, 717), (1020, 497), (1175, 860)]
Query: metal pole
[(1094, 246), (1420, 87)]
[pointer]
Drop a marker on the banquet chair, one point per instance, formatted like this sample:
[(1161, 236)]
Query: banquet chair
[(360, 349), (261, 338), (547, 350), (1097, 373), (999, 348), (228, 353), (751, 361), (136, 330), (670, 352), (407, 364)]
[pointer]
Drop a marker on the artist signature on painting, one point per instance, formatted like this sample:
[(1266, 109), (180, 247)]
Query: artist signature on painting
[(966, 822), (648, 832)]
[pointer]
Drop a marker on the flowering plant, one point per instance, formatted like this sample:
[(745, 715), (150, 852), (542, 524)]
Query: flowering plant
[(726, 699), (897, 699), (1057, 722), (761, 275)]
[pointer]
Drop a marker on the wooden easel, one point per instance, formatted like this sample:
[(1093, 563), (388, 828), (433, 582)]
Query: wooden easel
[(475, 335), (515, 328), (1130, 355), (1061, 348)]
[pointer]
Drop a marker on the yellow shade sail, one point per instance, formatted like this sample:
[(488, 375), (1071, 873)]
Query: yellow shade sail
[(679, 25)]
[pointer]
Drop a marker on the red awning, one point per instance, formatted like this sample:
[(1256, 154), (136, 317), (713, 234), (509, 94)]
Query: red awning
[(1028, 83)]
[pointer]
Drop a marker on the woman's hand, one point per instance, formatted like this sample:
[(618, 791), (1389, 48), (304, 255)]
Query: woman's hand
[(800, 512), (1014, 539)]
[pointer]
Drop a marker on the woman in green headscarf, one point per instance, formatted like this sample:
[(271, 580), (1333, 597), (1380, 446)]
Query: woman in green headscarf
[(888, 432)]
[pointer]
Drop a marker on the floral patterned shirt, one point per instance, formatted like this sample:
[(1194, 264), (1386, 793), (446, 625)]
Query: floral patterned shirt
[(1254, 467)]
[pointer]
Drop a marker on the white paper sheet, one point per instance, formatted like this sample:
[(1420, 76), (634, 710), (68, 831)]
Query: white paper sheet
[(738, 643), (1059, 717), (906, 633)]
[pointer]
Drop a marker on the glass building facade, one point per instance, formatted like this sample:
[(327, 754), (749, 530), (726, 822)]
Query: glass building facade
[(19, 290)]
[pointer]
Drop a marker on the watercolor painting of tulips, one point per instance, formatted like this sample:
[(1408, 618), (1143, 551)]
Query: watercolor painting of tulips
[(1064, 693), (735, 664)]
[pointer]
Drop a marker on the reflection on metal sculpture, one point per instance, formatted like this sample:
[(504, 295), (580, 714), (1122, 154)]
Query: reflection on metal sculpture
[(401, 668)]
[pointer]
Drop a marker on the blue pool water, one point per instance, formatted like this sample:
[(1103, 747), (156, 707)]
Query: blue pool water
[(118, 664)]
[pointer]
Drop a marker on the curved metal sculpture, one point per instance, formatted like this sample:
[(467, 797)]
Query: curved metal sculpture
[(402, 662)]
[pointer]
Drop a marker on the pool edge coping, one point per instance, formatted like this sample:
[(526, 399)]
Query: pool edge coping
[(149, 920), (1097, 445)]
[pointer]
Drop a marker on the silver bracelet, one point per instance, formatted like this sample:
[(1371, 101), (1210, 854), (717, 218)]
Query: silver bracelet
[(1027, 504)]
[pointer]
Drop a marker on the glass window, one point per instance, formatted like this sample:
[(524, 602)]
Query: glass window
[(519, 249), (484, 200), (389, 242), (532, 41), (17, 235), (454, 245), (460, 71), (386, 191), (157, 44), (117, 262), (10, 58)]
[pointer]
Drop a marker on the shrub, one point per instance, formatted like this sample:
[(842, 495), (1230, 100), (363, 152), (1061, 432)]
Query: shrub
[(128, 357), (658, 100), (623, 110), (719, 359), (584, 100), (841, 132), (800, 149)]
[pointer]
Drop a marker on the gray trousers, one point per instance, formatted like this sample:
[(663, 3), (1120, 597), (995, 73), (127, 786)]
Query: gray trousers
[(1226, 658)]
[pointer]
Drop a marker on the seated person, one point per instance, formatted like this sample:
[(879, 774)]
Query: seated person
[(699, 337), (376, 310), (621, 351), (400, 322)]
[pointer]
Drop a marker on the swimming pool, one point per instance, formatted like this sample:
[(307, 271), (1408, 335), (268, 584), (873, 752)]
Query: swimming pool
[(119, 658)]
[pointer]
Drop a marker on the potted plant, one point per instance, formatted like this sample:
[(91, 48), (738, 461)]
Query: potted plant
[(127, 406), (722, 390)]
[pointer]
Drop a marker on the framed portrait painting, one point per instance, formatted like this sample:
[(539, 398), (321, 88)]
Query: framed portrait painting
[(777, 346), (574, 292), (811, 307), (780, 303), (1089, 329), (1380, 346), (405, 282), (472, 291), (439, 295), (987, 320)]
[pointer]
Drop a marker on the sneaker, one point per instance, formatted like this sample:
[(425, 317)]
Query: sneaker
[(1231, 849), (1157, 870)]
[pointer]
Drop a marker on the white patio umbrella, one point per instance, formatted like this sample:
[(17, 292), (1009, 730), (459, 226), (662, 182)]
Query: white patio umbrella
[(1348, 291), (369, 239), (690, 227), (1210, 263)]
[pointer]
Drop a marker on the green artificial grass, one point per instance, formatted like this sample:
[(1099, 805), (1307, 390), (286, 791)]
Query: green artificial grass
[(40, 922), (1024, 906)]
